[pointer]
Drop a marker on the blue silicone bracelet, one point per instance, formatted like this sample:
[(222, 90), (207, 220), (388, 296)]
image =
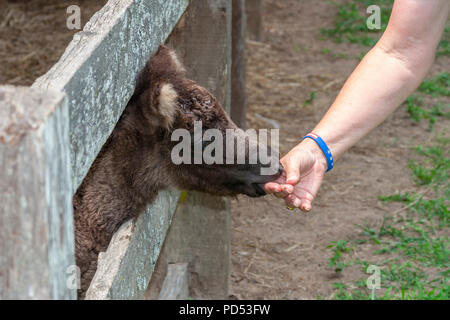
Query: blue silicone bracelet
[(323, 146)]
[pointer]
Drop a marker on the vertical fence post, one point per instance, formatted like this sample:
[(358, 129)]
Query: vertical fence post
[(238, 81), (200, 230), (254, 19), (36, 215)]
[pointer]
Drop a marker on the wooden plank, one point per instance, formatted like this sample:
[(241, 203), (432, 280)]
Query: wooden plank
[(202, 40), (238, 93), (97, 72), (200, 231), (254, 11), (200, 235), (176, 284), (98, 69), (36, 218), (124, 270)]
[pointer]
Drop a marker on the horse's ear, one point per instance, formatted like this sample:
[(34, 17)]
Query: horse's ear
[(165, 61), (176, 63), (167, 104), (159, 105), (163, 67)]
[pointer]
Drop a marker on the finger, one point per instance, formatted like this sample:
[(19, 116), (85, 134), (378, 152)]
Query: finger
[(292, 168), (273, 187), (306, 206), (292, 201), (279, 190), (307, 196), (287, 188)]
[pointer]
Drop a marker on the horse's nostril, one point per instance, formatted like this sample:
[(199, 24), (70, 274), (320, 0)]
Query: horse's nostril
[(259, 189), (280, 169)]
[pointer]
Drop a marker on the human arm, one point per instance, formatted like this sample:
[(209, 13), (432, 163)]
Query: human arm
[(385, 77)]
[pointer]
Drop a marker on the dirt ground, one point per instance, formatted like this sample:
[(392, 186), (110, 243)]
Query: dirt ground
[(281, 254), (276, 253), (33, 36)]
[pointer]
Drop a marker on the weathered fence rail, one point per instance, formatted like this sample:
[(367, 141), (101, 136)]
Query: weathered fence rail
[(51, 133), (98, 70), (36, 221)]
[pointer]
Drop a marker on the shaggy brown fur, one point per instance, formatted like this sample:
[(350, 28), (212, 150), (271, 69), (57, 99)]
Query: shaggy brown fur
[(135, 163)]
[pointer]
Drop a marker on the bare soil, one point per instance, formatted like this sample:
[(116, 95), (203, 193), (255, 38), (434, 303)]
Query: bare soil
[(281, 254), (34, 35), (276, 253)]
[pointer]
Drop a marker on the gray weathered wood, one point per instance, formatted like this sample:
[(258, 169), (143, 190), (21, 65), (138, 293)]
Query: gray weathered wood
[(254, 11), (200, 235), (200, 231), (45, 158), (208, 60), (176, 284), (238, 93), (36, 219), (202, 39), (124, 270), (98, 69)]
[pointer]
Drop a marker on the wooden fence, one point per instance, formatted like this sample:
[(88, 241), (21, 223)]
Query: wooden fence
[(51, 133)]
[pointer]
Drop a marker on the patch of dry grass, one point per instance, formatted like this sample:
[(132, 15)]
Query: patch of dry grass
[(33, 35)]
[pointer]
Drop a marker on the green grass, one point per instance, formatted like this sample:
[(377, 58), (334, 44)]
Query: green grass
[(339, 248), (350, 25), (328, 51), (444, 45), (412, 249), (418, 111), (310, 100), (437, 86), (410, 245)]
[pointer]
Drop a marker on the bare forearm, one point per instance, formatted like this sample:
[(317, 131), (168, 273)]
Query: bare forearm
[(386, 76), (374, 90)]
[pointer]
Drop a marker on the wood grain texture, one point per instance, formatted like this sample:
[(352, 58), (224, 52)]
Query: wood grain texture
[(98, 69), (200, 230), (238, 81), (202, 40), (47, 155), (254, 12), (200, 235), (36, 218), (176, 284), (46, 152), (124, 270)]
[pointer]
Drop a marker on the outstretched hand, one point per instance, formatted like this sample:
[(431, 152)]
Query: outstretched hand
[(304, 168)]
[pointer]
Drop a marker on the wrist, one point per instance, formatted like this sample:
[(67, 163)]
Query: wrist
[(316, 152)]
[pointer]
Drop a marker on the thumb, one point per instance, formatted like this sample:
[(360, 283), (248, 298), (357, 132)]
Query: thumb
[(292, 168)]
